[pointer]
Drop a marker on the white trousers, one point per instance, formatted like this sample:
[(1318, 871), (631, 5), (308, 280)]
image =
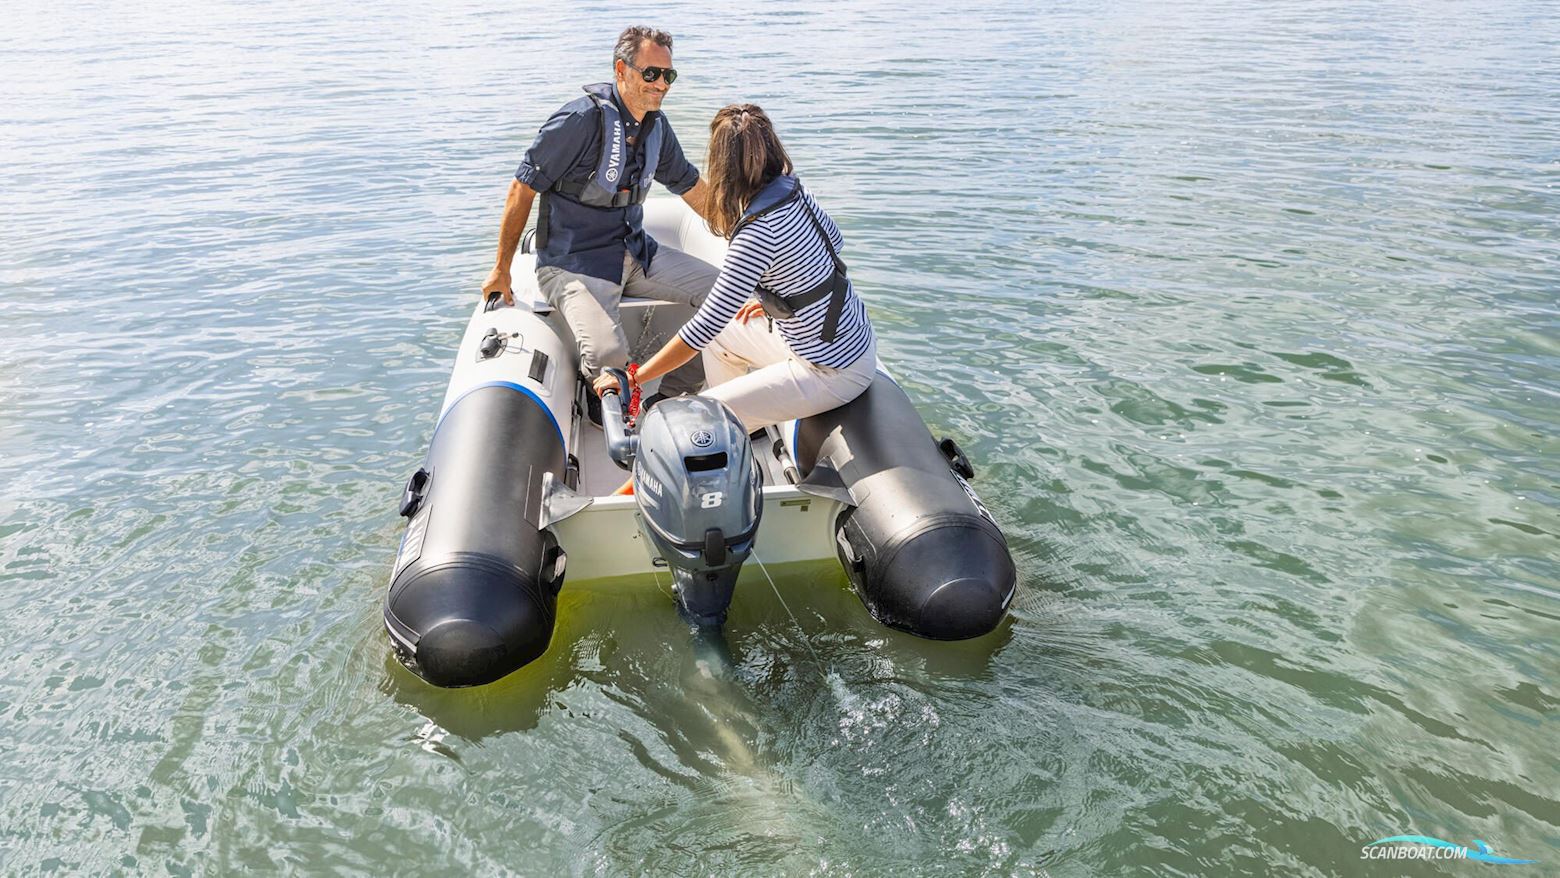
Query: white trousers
[(750, 368)]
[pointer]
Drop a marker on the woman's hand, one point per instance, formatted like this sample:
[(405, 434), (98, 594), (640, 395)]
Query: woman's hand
[(749, 311), (605, 382), (673, 354)]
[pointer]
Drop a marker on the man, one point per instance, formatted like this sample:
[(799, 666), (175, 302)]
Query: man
[(590, 168)]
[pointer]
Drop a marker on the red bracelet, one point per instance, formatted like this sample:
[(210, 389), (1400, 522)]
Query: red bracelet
[(633, 396)]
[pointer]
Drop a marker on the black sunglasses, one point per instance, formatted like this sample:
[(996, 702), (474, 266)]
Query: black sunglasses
[(651, 74)]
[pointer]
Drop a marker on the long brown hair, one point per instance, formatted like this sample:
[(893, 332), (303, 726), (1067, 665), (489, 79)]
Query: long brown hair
[(745, 154)]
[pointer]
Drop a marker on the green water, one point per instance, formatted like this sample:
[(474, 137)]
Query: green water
[(1247, 314)]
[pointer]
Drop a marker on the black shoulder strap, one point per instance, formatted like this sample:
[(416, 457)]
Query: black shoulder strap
[(828, 244)]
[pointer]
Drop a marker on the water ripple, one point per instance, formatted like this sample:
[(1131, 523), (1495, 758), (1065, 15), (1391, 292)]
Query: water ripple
[(1246, 315)]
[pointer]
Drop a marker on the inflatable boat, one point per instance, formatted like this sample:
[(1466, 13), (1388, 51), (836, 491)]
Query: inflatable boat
[(514, 498)]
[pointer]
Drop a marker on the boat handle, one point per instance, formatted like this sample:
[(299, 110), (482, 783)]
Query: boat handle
[(416, 488), (956, 458), (848, 552), (553, 566)]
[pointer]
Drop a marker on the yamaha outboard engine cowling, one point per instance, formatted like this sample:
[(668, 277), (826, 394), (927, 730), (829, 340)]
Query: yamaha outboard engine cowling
[(700, 495)]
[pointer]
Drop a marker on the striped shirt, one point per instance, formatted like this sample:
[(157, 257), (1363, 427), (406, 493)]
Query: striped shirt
[(782, 250)]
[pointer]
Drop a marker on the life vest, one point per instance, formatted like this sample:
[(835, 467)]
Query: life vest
[(606, 186), (776, 194)]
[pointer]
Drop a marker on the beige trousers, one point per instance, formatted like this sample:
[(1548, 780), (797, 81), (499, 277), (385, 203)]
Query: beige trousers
[(750, 368), (589, 307)]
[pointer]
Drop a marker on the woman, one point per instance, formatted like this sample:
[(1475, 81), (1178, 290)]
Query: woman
[(818, 352)]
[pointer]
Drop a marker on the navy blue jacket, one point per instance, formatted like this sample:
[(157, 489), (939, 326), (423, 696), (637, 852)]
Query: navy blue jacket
[(592, 240)]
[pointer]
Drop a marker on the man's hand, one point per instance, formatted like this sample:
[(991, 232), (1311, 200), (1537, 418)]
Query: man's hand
[(498, 281), (749, 311)]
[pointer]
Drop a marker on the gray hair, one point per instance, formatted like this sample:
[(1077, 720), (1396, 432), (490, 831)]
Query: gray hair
[(628, 43)]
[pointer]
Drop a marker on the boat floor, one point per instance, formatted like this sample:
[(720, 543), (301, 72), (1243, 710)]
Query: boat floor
[(603, 540)]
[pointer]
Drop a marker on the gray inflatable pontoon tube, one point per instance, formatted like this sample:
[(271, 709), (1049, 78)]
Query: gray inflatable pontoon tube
[(921, 551), (474, 592)]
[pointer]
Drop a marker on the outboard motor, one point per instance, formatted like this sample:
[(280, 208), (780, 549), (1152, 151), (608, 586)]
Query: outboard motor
[(700, 495)]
